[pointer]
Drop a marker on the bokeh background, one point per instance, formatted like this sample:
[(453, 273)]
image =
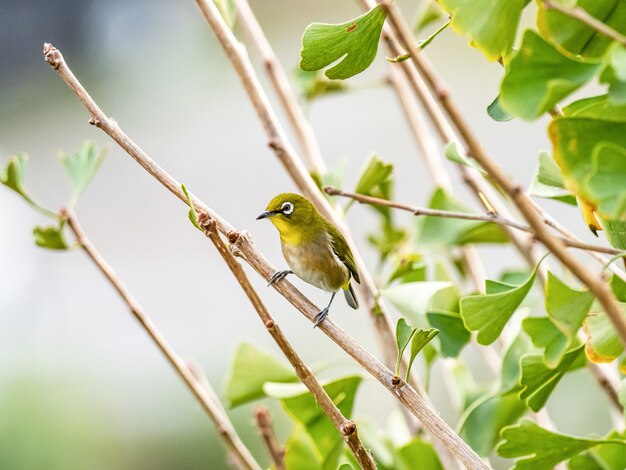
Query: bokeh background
[(81, 386)]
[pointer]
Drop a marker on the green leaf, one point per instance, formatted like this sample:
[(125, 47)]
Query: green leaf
[(540, 448), (567, 307), (575, 36), (404, 333), (428, 12), (192, 214), (413, 299), (313, 85), (375, 173), (250, 370), (539, 76), (228, 10), (606, 184), (50, 237), (303, 408), (604, 343), (488, 313), (300, 451), (538, 381), (548, 181), (417, 450), (614, 74), (610, 456), (82, 167), (445, 231), (495, 111), (490, 25), (545, 335), (420, 339), (408, 268), (354, 42), (453, 335), (13, 175), (618, 286)]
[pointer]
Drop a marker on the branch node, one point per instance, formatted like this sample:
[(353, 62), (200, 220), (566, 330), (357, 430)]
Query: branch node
[(270, 324), (52, 55), (348, 428), (396, 381), (94, 122), (275, 144)]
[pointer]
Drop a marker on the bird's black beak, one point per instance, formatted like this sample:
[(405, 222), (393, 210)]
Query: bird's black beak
[(266, 215)]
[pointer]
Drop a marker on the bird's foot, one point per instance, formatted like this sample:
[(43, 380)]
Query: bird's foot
[(319, 318), (278, 275)]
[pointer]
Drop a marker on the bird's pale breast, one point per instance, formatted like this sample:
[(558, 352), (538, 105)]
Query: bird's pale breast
[(314, 262)]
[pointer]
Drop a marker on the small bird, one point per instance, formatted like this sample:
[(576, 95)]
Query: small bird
[(314, 249)]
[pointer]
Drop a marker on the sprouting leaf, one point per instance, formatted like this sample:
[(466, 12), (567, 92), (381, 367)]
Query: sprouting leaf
[(420, 339), (251, 369), (312, 85), (82, 167), (417, 450), (566, 306), (413, 299), (606, 184), (13, 175), (488, 313), (538, 381), (604, 343), (192, 214), (490, 25), (404, 333), (445, 231), (303, 408), (354, 42), (228, 10), (375, 173), (408, 268), (452, 153), (421, 44), (453, 335), (50, 237), (548, 181), (428, 12), (543, 449), (495, 111), (575, 36), (539, 76), (545, 335)]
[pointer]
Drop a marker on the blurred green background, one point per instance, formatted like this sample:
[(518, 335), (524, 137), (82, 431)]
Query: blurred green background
[(81, 386)]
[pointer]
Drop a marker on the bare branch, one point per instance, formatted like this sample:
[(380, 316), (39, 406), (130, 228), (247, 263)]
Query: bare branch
[(208, 402), (347, 429), (246, 250), (263, 420), (583, 16), (491, 217)]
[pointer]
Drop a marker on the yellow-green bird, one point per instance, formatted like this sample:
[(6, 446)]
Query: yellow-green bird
[(314, 249)]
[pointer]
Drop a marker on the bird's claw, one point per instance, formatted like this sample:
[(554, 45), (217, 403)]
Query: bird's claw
[(278, 275), (319, 318)]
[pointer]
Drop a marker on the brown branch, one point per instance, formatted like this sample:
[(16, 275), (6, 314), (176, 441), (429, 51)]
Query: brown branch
[(595, 283), (346, 428), (208, 402), (491, 217), (406, 394), (235, 51), (583, 16), (263, 420), (278, 78)]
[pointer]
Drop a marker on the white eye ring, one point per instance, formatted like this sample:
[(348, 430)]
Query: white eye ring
[(287, 208)]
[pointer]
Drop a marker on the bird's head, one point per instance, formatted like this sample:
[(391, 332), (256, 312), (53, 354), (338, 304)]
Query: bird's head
[(291, 214)]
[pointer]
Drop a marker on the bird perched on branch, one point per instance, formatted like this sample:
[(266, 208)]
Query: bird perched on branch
[(314, 249)]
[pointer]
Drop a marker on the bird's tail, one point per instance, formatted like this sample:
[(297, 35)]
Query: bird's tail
[(351, 297)]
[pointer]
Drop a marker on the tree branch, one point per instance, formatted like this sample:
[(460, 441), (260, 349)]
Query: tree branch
[(491, 217), (347, 429), (246, 250), (208, 402), (263, 420), (596, 284), (583, 16)]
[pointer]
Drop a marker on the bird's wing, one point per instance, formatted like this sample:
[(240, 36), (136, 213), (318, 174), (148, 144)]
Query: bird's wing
[(342, 251)]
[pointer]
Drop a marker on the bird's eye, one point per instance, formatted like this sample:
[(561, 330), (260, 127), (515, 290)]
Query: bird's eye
[(287, 208)]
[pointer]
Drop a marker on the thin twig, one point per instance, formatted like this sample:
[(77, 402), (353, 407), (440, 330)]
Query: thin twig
[(595, 283), (263, 420), (583, 16), (405, 393), (278, 78), (347, 429), (209, 404), (491, 217), (278, 141)]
